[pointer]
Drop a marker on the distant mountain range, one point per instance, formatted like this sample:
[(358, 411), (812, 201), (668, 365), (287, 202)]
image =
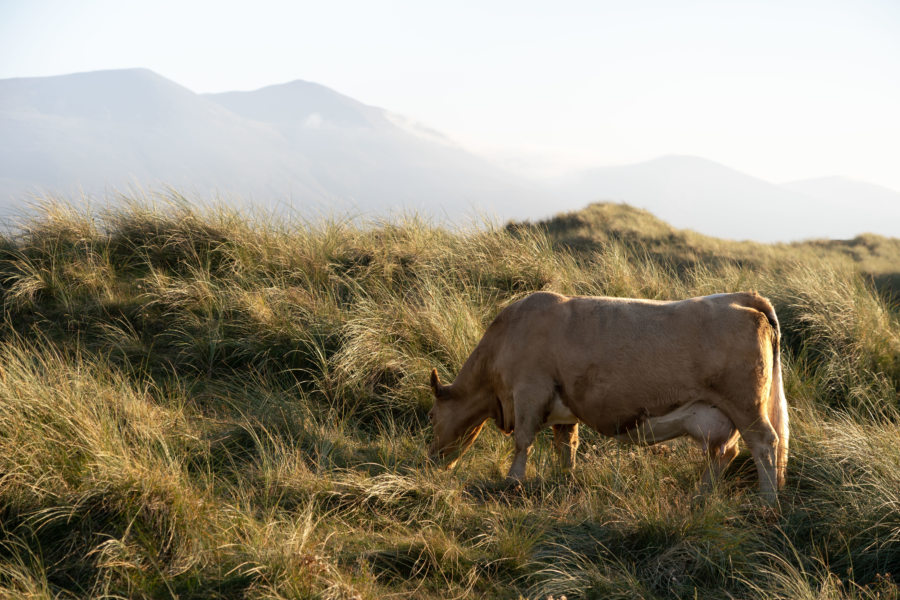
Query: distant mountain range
[(304, 148), (699, 194)]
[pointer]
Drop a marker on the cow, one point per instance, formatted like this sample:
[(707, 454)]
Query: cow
[(641, 371)]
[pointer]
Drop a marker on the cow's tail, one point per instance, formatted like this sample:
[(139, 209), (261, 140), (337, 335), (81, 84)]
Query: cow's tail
[(778, 408)]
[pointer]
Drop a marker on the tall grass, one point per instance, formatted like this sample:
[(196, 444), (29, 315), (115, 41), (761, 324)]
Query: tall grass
[(194, 403)]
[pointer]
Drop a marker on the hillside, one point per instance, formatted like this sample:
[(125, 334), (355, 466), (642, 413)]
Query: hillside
[(601, 224), (202, 404)]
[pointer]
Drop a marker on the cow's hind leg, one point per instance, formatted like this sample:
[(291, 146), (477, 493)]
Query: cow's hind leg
[(761, 437), (763, 442), (565, 442), (530, 404)]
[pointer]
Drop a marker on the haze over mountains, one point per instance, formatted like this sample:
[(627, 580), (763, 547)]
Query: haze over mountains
[(303, 147)]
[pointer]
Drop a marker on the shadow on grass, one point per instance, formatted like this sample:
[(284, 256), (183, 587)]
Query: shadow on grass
[(506, 492), (112, 540)]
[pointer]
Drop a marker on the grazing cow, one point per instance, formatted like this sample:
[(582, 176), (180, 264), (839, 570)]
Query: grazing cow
[(641, 371)]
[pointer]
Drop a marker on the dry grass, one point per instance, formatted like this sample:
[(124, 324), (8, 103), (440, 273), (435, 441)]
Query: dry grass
[(198, 404)]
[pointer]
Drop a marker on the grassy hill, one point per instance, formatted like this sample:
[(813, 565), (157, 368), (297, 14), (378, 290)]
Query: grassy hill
[(202, 404)]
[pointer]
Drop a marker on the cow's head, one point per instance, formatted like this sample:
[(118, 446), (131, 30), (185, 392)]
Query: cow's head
[(456, 422)]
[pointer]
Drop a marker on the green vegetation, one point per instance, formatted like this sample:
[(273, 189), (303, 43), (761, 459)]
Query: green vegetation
[(198, 404)]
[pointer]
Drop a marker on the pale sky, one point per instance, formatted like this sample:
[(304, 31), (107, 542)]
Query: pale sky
[(779, 89)]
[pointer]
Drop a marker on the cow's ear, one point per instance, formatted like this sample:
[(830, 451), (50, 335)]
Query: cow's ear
[(436, 385)]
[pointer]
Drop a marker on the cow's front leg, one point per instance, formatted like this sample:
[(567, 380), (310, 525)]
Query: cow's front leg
[(565, 441), (529, 418), (524, 438)]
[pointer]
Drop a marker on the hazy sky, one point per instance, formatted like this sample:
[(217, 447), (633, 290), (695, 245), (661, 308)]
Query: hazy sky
[(782, 90)]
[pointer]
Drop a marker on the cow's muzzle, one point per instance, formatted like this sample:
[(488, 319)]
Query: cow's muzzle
[(437, 456)]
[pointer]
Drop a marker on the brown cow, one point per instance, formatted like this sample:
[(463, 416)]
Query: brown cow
[(642, 371)]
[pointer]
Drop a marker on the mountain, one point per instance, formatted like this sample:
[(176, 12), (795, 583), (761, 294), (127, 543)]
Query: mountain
[(298, 145), (379, 160), (109, 129), (695, 193), (863, 207)]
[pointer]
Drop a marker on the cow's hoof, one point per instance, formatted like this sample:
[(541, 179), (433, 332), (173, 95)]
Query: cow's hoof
[(513, 483), (769, 511)]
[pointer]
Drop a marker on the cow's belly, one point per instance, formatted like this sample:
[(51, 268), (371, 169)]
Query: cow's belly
[(615, 407)]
